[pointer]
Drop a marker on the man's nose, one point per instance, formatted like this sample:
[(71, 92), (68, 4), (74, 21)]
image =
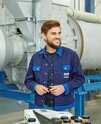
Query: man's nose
[(57, 36)]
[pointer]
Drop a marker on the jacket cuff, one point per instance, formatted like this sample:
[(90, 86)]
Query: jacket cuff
[(66, 89), (33, 87)]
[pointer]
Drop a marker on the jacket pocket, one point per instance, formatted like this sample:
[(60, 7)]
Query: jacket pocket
[(36, 68), (37, 73), (66, 67), (66, 71)]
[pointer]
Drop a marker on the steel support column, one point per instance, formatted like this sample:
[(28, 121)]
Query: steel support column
[(2, 77), (80, 93), (79, 101), (90, 6)]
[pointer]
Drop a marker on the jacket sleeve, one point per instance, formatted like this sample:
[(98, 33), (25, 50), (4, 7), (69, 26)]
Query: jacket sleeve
[(77, 75), (30, 81)]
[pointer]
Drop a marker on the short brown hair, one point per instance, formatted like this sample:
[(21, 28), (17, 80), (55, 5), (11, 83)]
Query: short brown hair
[(49, 25)]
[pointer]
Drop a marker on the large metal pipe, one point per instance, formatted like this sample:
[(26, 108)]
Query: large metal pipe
[(84, 16), (89, 36), (12, 49)]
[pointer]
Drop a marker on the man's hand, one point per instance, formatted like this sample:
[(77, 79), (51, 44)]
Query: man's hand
[(41, 90), (57, 90)]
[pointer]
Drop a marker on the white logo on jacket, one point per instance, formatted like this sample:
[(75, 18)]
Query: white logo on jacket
[(66, 75)]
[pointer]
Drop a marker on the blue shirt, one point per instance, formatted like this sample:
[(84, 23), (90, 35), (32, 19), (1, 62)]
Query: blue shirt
[(67, 72)]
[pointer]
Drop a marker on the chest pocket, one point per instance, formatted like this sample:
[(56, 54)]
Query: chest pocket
[(37, 72), (66, 71), (36, 68)]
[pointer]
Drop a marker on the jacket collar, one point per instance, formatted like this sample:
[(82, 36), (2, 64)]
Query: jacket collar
[(58, 52)]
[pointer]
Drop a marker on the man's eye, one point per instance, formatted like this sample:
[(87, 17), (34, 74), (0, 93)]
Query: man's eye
[(53, 33), (59, 33)]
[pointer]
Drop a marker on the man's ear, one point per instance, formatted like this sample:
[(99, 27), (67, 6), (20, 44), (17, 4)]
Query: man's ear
[(43, 36)]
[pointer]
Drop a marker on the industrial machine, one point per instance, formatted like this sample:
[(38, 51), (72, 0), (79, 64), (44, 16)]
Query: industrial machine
[(44, 116), (20, 37)]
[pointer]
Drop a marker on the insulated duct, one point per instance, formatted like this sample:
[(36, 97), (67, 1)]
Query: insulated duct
[(84, 16), (22, 14), (89, 34), (12, 49)]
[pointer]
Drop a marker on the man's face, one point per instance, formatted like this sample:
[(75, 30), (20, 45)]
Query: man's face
[(53, 38)]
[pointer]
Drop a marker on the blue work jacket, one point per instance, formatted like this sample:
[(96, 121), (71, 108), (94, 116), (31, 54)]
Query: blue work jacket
[(67, 72)]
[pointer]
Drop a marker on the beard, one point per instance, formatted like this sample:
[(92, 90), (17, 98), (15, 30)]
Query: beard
[(52, 45)]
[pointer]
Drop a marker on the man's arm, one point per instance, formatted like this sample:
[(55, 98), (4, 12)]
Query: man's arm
[(77, 75), (31, 82), (76, 81)]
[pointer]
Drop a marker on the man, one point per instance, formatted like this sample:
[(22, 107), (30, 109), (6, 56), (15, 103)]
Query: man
[(55, 71)]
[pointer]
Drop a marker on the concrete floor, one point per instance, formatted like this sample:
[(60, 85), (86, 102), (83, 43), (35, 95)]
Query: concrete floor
[(12, 118), (13, 111), (93, 109), (9, 105)]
